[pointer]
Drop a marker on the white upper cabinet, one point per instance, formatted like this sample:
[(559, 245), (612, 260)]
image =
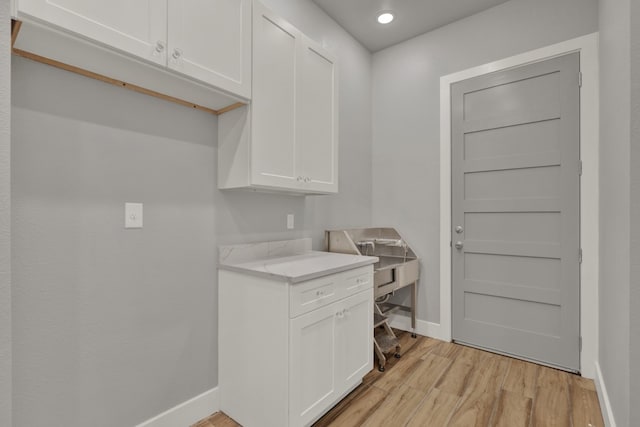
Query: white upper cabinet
[(287, 140), (273, 131), (211, 41), (136, 27), (207, 43), (316, 118)]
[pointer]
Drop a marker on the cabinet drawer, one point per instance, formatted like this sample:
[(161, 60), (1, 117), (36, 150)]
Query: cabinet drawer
[(357, 280), (308, 296)]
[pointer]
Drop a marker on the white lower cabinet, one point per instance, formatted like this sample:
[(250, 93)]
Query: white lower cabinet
[(301, 348)]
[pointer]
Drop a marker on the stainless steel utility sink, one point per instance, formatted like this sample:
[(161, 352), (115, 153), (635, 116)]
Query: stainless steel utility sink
[(398, 266)]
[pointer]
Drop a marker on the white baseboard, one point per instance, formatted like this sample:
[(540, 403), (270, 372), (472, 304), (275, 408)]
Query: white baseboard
[(603, 397), (427, 329), (187, 413)]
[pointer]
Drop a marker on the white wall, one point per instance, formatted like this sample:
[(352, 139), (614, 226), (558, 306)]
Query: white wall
[(634, 300), (114, 326), (406, 103), (5, 217), (615, 203)]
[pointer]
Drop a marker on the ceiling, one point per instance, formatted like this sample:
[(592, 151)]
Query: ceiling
[(412, 17)]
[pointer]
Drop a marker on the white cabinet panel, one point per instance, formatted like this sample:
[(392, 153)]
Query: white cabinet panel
[(354, 336), (136, 27), (316, 118), (273, 130), (312, 364), (211, 42)]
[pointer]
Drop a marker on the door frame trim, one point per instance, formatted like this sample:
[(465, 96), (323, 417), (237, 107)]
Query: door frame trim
[(589, 191)]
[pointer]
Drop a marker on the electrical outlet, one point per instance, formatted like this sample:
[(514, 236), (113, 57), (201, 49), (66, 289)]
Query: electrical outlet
[(133, 215), (290, 221)]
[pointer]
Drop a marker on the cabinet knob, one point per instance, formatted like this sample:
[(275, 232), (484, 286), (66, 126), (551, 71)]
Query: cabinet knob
[(159, 46), (177, 53), (299, 179), (307, 179)]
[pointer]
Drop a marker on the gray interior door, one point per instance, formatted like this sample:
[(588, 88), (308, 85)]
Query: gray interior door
[(515, 211)]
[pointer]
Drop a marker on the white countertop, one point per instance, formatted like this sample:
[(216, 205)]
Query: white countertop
[(300, 267)]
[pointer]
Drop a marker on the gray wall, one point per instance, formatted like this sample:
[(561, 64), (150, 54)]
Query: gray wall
[(634, 300), (615, 204), (114, 326), (406, 112), (5, 217)]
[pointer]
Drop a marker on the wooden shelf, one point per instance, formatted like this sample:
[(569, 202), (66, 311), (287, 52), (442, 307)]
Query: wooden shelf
[(17, 25)]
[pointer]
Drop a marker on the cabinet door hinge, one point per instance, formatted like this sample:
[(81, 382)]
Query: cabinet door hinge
[(580, 256), (580, 79), (580, 168)]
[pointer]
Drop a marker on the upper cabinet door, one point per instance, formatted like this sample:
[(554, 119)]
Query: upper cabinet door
[(211, 42), (317, 118), (273, 104), (136, 27)]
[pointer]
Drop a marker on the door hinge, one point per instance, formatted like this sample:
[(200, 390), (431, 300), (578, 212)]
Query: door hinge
[(580, 79), (450, 243), (580, 256), (580, 168)]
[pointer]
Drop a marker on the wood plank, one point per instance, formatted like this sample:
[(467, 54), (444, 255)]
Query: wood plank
[(218, 419), (397, 408), (328, 418), (447, 349), (585, 407), (481, 395), (454, 380), (551, 406), (435, 410), (15, 29), (427, 372), (360, 409), (423, 347), (521, 378), (403, 369), (513, 410), (585, 383), (473, 356)]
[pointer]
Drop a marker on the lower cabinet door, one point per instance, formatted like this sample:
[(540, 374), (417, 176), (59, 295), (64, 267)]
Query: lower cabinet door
[(312, 364), (354, 340)]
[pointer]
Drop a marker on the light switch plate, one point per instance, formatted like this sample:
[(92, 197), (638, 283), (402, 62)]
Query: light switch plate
[(290, 221), (133, 215)]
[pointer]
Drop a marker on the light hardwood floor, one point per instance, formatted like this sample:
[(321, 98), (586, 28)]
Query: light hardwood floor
[(436, 384)]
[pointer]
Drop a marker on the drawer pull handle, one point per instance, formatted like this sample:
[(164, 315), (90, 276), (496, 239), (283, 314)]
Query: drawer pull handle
[(344, 312)]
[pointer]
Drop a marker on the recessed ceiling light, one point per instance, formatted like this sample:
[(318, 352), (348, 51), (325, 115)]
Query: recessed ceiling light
[(385, 17)]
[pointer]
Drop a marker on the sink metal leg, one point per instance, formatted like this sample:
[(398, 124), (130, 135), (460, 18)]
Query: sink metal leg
[(414, 298)]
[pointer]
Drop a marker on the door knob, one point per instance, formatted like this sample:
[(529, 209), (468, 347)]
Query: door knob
[(459, 229), (459, 244)]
